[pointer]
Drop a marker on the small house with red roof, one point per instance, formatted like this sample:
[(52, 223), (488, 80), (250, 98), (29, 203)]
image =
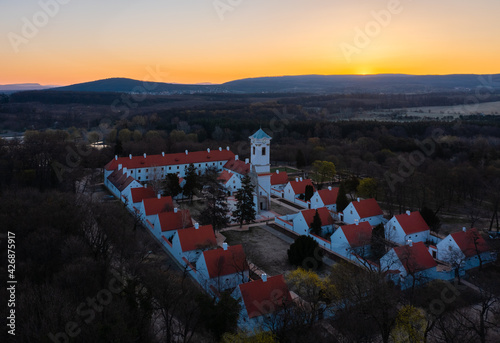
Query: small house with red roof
[(295, 190), (325, 198), (278, 182), (261, 298), (238, 167), (366, 210), (150, 207), (351, 240), (303, 220), (231, 181), (466, 248), (410, 264), (191, 242), (407, 226), (137, 195), (168, 223), (119, 182), (222, 269)]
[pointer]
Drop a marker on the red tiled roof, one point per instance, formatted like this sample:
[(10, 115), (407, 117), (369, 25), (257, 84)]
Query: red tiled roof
[(262, 297), (225, 176), (465, 241), (358, 235), (224, 262), (192, 239), (279, 179), (329, 197), (299, 187), (412, 223), (367, 208), (120, 180), (324, 215), (170, 221), (170, 159), (415, 258), (155, 205), (238, 166), (141, 193)]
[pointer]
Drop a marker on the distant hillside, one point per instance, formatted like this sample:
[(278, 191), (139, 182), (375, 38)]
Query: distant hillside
[(319, 84), (123, 85), (387, 83), (17, 87)]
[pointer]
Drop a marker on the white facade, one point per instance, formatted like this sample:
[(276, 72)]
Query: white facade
[(351, 216), (394, 232), (449, 251)]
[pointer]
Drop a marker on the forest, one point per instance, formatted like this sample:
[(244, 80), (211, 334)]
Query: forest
[(87, 271)]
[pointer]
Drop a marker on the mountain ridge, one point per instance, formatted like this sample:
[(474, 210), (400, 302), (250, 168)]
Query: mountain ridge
[(313, 83)]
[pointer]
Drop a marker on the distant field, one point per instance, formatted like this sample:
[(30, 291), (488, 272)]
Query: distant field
[(435, 112), (487, 108)]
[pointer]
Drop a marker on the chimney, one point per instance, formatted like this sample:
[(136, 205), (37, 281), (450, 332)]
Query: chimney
[(296, 179), (196, 226), (464, 229), (227, 148), (208, 150), (146, 185), (264, 277), (277, 171), (176, 209), (125, 171), (236, 157), (329, 188), (163, 153), (356, 221), (408, 212), (186, 152), (247, 160), (410, 242), (116, 157), (130, 156), (144, 155), (159, 196), (359, 199), (224, 246), (220, 148), (120, 167), (301, 179)]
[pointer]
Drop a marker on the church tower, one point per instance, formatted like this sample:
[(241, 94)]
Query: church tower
[(260, 146)]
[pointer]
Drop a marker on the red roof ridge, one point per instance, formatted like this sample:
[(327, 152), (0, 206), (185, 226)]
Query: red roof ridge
[(224, 262), (193, 239), (261, 297), (367, 208)]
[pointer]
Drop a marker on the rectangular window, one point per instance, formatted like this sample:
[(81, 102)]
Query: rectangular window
[(139, 171), (147, 170), (177, 167), (169, 168), (254, 150), (264, 151)]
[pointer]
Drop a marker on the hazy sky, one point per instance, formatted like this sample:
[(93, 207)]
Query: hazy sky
[(191, 41)]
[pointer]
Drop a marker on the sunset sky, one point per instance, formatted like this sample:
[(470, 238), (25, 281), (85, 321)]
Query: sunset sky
[(193, 41)]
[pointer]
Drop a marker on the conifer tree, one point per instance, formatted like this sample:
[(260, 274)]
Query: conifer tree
[(245, 211), (316, 224)]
